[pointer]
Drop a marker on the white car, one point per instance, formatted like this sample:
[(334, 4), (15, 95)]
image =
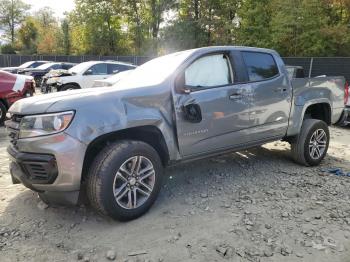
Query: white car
[(83, 75)]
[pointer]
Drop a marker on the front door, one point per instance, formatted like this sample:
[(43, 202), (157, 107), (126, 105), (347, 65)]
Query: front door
[(213, 113)]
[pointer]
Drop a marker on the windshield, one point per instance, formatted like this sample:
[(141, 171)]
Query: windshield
[(46, 66), (26, 64), (155, 71)]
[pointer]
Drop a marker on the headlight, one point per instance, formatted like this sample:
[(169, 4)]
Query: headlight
[(42, 125)]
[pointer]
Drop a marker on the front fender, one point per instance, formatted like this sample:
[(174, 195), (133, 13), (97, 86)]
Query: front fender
[(108, 115)]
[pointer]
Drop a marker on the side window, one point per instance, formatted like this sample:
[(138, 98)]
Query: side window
[(260, 66), (98, 69), (56, 66), (113, 69), (66, 66), (209, 71)]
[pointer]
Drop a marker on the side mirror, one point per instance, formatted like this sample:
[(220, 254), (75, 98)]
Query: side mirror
[(88, 72), (180, 85), (115, 71)]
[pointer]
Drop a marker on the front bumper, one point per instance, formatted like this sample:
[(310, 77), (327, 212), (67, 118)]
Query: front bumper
[(51, 165)]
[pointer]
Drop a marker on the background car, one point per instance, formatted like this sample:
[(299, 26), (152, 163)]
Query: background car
[(29, 64), (12, 88), (110, 81), (40, 71), (83, 75)]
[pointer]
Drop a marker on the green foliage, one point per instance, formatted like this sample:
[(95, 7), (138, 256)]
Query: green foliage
[(27, 36), (12, 13), (7, 49)]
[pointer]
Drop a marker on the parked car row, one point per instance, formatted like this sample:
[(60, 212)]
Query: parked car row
[(20, 82), (61, 76)]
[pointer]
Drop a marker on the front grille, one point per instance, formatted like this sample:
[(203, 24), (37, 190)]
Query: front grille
[(13, 128)]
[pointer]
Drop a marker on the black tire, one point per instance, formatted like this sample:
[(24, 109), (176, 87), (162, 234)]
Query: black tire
[(68, 87), (300, 145), (3, 111), (103, 171)]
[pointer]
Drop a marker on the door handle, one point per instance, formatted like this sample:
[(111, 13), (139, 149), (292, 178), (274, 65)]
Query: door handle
[(281, 89), (235, 96)]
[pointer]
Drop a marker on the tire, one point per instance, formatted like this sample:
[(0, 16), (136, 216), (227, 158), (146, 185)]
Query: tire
[(3, 111), (107, 176), (303, 146), (68, 87)]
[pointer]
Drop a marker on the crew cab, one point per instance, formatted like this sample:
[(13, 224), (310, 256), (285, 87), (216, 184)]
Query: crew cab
[(29, 64), (40, 71), (12, 88), (84, 74), (115, 141)]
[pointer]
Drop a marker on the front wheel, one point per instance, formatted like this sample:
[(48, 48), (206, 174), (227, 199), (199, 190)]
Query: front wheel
[(311, 145), (125, 179)]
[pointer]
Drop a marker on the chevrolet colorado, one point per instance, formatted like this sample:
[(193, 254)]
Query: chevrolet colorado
[(115, 141)]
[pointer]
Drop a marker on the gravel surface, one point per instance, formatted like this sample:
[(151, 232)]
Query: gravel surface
[(254, 205)]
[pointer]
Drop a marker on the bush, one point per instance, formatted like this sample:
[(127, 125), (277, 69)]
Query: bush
[(8, 49)]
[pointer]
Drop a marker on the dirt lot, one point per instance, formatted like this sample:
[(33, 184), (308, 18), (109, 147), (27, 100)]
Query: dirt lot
[(254, 205)]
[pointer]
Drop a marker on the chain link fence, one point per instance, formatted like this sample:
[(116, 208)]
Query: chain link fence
[(314, 66), (16, 60)]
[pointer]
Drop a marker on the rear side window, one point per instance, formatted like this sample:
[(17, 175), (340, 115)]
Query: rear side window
[(209, 71), (260, 66), (115, 68)]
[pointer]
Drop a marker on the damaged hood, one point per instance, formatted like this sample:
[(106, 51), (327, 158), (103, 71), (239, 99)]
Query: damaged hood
[(103, 98), (58, 72)]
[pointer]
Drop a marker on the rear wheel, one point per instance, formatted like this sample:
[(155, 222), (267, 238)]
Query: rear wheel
[(311, 145), (3, 111), (125, 179)]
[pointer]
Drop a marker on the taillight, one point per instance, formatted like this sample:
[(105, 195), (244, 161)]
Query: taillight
[(346, 93)]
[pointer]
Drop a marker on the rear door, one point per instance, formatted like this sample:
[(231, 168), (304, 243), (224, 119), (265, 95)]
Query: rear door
[(270, 97), (212, 111)]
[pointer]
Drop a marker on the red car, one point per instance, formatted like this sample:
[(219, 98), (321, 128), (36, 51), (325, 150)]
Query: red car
[(12, 88)]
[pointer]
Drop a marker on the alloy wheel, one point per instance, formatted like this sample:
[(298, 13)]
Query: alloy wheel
[(134, 182), (317, 144)]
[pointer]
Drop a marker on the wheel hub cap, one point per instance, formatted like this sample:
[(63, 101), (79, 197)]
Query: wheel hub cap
[(134, 182)]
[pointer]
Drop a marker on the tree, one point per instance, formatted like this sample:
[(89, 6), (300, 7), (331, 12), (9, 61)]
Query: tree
[(66, 36), (255, 23), (28, 34), (12, 14)]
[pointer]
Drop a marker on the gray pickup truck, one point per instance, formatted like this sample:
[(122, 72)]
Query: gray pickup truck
[(114, 142)]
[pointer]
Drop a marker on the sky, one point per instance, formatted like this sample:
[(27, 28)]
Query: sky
[(59, 6)]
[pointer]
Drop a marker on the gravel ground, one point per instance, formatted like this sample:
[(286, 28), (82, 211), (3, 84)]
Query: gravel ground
[(254, 205)]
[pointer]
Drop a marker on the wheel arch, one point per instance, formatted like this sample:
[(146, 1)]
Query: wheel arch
[(148, 134), (71, 83), (321, 111)]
